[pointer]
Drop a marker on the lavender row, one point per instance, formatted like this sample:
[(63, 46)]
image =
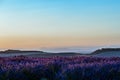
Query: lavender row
[(59, 68)]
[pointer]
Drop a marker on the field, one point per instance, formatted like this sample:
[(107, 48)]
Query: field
[(59, 68)]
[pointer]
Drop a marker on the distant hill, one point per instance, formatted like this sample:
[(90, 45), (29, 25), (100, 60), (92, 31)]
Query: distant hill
[(105, 50), (9, 51)]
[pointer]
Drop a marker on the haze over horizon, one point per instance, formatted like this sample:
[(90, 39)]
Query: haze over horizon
[(31, 24)]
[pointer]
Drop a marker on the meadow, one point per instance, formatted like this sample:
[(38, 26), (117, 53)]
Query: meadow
[(59, 68)]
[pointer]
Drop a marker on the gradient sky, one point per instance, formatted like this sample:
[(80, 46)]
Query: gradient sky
[(59, 23)]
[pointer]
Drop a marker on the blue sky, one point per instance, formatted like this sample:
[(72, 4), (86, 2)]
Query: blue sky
[(67, 22)]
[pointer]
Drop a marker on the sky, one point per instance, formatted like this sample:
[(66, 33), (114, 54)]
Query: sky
[(59, 23)]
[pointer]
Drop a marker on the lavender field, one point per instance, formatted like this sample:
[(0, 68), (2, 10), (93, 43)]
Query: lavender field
[(59, 68)]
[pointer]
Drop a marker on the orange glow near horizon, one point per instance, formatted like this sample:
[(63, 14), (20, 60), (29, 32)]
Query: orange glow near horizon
[(51, 42)]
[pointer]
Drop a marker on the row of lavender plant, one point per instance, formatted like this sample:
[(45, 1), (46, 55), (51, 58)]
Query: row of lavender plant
[(59, 68)]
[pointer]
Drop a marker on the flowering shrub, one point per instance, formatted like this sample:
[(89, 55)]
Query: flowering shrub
[(59, 68)]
